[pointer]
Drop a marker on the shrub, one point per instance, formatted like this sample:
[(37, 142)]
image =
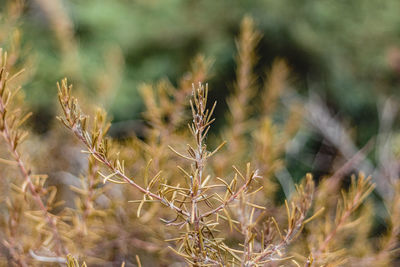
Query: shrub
[(146, 201)]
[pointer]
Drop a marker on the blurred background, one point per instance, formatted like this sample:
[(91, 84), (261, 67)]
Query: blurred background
[(344, 58)]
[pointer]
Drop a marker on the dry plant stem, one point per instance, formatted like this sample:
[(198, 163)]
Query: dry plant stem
[(342, 220), (270, 252), (74, 122), (200, 67), (199, 130), (100, 157), (247, 225), (226, 203), (244, 87), (246, 61), (6, 132), (247, 247), (296, 221), (362, 189)]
